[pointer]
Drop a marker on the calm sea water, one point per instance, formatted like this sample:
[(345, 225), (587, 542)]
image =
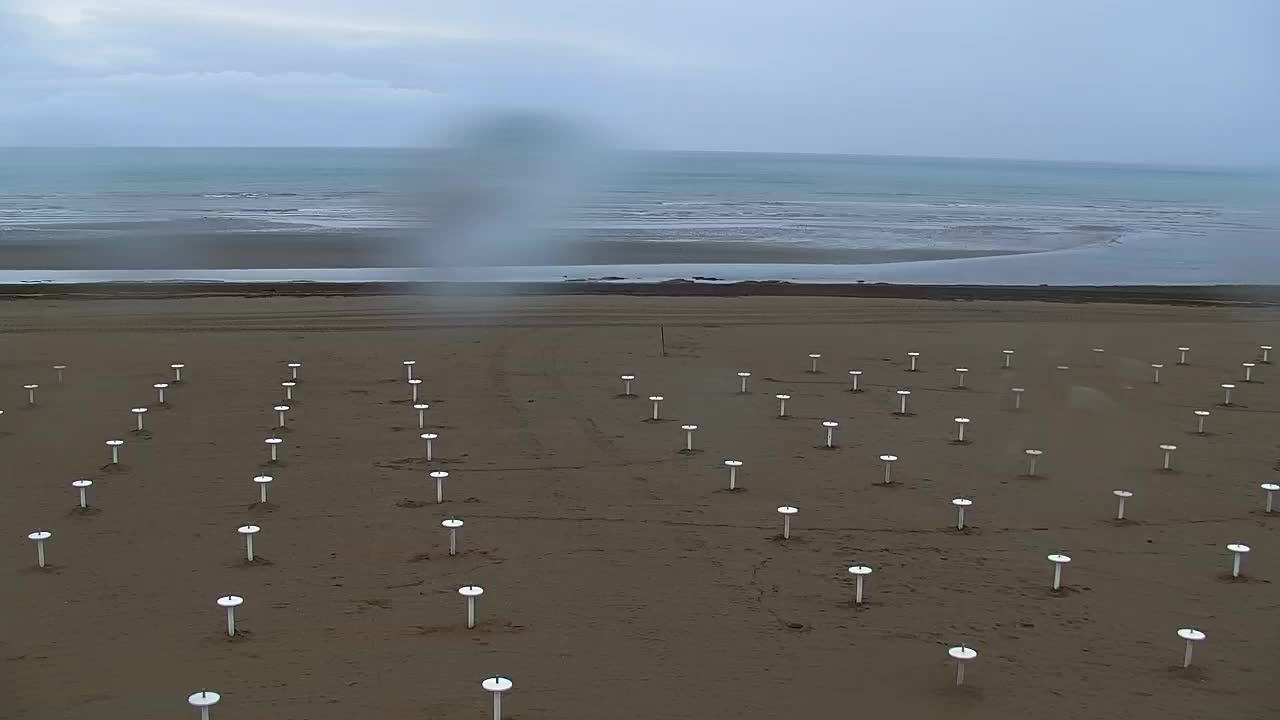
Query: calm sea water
[(819, 201)]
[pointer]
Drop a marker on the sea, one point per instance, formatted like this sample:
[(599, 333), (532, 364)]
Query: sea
[(580, 214)]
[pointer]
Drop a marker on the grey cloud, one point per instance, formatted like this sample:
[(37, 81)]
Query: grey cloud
[(1171, 81)]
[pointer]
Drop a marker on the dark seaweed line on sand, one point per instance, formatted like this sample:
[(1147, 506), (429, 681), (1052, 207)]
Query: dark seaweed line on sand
[(1234, 295)]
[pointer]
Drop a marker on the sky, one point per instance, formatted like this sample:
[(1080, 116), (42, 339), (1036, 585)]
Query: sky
[(1160, 81)]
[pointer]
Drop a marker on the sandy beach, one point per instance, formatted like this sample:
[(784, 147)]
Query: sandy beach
[(621, 578)]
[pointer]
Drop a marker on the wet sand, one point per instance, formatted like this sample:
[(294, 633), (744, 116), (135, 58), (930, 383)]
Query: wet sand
[(126, 247), (621, 579)]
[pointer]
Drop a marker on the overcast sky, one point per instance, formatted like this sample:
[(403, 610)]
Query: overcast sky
[(1180, 81)]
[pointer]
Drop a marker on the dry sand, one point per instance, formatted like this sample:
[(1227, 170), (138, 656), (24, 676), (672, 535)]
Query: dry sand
[(621, 580)]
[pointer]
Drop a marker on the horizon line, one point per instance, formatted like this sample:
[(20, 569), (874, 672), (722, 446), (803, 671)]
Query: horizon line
[(892, 156)]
